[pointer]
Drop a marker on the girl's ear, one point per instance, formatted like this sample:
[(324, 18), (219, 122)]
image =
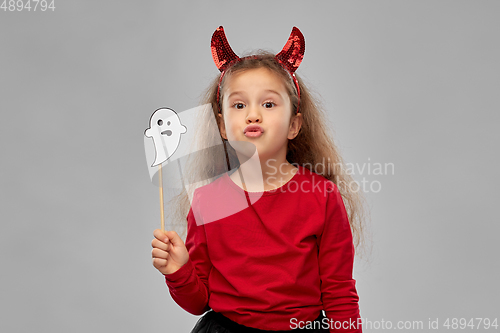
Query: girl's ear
[(295, 125), (222, 126)]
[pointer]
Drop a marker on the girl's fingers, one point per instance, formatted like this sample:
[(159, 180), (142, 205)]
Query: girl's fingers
[(160, 245), (157, 253), (161, 236), (159, 263)]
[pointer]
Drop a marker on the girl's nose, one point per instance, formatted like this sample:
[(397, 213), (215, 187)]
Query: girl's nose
[(253, 114)]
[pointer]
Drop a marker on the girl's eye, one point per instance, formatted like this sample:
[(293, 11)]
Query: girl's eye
[(239, 105), (269, 105)]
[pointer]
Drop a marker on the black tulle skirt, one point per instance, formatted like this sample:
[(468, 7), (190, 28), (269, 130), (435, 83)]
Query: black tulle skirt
[(215, 322)]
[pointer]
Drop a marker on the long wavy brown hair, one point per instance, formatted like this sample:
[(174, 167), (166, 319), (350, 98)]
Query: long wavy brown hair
[(312, 147)]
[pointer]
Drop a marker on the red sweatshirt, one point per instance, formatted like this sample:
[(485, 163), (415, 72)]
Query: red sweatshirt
[(273, 266)]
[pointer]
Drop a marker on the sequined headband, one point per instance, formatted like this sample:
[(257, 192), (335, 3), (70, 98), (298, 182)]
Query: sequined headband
[(290, 56)]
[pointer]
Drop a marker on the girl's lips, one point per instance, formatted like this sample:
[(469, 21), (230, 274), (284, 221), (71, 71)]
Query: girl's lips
[(253, 128), (254, 134)]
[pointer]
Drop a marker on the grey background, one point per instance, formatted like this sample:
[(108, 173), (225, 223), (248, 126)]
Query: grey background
[(413, 83)]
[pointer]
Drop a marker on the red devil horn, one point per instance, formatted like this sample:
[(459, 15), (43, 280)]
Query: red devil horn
[(293, 51), (221, 51)]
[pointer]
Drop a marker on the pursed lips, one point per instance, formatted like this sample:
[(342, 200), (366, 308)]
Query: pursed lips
[(253, 129), (253, 134)]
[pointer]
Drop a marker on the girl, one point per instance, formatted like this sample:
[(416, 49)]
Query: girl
[(275, 265)]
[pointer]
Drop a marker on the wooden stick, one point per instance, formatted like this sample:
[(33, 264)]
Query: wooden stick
[(161, 201)]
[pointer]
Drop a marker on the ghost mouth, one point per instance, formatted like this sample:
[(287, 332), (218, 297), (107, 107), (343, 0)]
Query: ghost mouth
[(167, 132)]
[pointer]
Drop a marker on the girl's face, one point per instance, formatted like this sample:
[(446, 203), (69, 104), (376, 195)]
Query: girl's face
[(259, 97)]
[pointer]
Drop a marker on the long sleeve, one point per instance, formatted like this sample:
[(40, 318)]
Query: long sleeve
[(188, 286), (336, 259)]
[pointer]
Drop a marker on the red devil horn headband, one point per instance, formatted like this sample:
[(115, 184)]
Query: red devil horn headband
[(290, 56)]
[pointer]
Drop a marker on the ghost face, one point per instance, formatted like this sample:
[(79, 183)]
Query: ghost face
[(165, 130), (259, 97)]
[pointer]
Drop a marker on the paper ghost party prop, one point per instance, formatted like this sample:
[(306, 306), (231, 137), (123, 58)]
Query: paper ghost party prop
[(172, 141), (165, 129), (169, 140)]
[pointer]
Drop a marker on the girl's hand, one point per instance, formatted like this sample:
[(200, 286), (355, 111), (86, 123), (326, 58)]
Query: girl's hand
[(169, 252)]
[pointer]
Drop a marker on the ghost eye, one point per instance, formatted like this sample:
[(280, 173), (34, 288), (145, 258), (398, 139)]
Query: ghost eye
[(168, 123), (160, 122)]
